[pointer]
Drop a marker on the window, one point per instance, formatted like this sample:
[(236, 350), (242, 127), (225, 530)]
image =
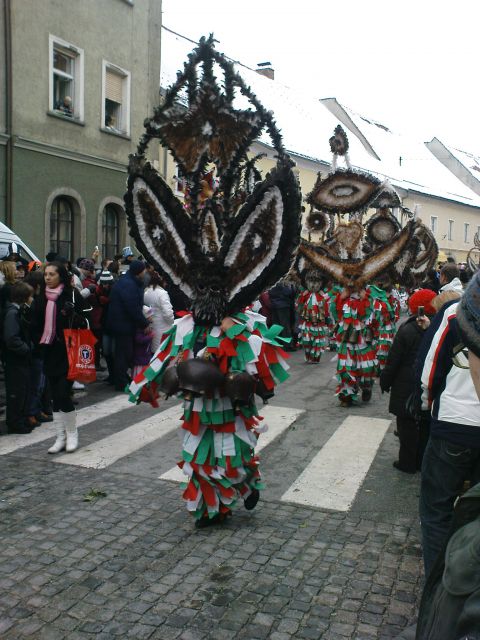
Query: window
[(66, 79), (433, 223), (450, 230), (466, 232), (179, 181), (110, 231), (115, 99), (61, 227)]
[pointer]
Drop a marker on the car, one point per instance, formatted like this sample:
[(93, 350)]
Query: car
[(7, 237)]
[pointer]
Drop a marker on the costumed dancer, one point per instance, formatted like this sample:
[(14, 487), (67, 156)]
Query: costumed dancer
[(356, 362), (221, 251), (382, 324), (353, 253), (313, 309)]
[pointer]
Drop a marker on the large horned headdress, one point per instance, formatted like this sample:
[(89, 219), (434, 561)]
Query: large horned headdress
[(234, 236), (354, 252)]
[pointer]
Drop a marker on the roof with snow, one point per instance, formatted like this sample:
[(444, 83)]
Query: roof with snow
[(307, 123)]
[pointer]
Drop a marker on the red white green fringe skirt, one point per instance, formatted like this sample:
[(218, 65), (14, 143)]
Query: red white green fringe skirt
[(314, 339), (218, 456)]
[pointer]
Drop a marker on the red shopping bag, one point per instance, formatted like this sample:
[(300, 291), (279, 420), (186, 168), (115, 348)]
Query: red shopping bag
[(80, 345)]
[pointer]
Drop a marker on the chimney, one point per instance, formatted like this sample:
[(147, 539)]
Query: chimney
[(266, 69)]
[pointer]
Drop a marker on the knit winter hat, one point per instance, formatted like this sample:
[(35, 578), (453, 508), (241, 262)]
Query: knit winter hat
[(87, 265), (422, 298), (136, 267), (126, 252), (105, 278), (468, 315)]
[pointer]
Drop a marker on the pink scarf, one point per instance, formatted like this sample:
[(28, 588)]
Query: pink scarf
[(50, 327)]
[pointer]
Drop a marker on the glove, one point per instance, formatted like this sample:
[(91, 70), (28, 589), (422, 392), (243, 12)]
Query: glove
[(85, 293)]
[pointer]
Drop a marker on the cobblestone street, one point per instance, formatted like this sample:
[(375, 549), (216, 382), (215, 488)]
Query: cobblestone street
[(131, 565)]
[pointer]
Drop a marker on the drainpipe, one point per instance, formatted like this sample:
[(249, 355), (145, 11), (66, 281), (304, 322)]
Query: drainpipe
[(9, 114)]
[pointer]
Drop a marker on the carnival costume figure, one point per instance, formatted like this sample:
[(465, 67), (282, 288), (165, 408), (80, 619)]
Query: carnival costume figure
[(233, 237), (313, 309), (382, 324)]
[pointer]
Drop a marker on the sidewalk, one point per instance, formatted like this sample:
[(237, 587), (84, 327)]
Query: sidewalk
[(131, 565)]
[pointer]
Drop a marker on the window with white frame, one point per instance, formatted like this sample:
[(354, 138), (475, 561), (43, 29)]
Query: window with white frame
[(115, 99), (66, 79), (434, 223), (466, 232), (450, 230)]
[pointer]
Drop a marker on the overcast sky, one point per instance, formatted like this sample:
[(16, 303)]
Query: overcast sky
[(412, 65)]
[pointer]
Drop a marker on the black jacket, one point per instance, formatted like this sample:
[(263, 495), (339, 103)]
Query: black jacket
[(72, 312), (125, 310), (398, 377), (16, 335), (282, 296)]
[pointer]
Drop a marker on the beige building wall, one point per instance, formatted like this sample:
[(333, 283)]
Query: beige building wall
[(447, 220), (428, 207)]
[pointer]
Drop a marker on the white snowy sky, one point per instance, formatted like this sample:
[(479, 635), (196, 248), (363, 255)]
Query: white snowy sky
[(409, 64)]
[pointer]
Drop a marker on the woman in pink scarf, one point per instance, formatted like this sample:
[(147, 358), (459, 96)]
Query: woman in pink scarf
[(58, 307)]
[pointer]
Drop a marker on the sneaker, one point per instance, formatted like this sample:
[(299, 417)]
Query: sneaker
[(78, 386)]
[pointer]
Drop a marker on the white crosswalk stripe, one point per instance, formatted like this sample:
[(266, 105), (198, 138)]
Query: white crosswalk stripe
[(279, 419), (331, 480), (104, 452), (10, 443), (333, 477)]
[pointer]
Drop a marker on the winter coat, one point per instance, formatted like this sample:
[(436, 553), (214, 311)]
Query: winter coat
[(142, 348), (16, 334), (125, 313), (453, 285), (447, 386), (162, 319), (282, 296), (398, 374), (72, 313)]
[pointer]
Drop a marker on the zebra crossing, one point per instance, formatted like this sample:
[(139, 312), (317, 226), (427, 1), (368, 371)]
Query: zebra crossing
[(330, 478)]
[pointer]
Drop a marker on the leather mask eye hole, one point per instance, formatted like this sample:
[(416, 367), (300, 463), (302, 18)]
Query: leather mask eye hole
[(201, 287)]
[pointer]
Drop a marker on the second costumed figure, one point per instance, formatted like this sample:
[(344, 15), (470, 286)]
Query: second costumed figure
[(222, 251)]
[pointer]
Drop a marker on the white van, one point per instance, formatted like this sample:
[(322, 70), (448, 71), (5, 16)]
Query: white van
[(7, 236)]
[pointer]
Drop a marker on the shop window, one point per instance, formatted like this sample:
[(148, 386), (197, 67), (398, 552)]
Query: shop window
[(62, 227)]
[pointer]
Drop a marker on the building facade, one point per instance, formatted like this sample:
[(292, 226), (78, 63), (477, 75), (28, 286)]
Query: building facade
[(80, 79)]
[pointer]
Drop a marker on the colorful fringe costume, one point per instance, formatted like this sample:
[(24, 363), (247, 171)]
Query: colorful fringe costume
[(356, 364), (218, 454), (230, 238), (383, 325), (313, 309)]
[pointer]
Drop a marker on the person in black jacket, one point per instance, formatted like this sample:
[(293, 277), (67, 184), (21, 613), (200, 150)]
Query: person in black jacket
[(17, 352), (398, 379), (282, 301), (124, 317), (59, 306)]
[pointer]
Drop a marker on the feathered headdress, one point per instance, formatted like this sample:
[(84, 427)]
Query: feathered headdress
[(234, 236), (354, 252)]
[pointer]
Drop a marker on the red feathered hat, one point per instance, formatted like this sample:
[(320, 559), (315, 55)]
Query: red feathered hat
[(422, 298)]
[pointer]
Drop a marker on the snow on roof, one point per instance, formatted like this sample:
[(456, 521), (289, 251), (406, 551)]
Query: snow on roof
[(306, 126), (409, 163), (469, 162)]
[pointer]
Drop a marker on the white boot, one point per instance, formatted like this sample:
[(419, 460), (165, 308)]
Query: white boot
[(71, 430), (59, 444)]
